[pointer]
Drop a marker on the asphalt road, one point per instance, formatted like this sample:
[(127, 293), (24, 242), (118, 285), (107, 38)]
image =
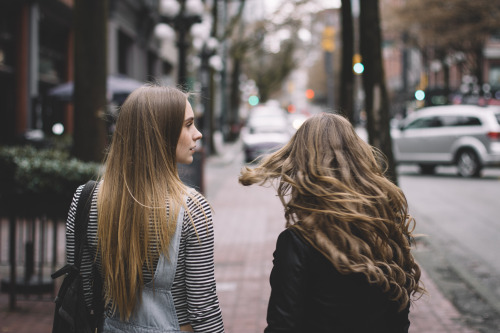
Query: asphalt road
[(459, 220)]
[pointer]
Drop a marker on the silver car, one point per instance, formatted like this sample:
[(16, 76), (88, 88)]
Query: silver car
[(467, 136), (263, 135)]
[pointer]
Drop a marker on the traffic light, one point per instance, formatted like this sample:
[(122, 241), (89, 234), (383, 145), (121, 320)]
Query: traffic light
[(357, 65), (419, 95), (328, 39), (309, 94), (253, 100)]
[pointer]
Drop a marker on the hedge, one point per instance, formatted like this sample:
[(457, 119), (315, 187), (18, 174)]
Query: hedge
[(40, 182)]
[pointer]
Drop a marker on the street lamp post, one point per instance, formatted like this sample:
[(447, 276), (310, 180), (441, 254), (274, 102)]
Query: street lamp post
[(181, 15), (209, 59), (205, 93)]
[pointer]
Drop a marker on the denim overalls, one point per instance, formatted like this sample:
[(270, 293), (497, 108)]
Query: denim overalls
[(156, 313)]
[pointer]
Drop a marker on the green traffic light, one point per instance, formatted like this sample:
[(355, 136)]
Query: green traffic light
[(253, 100), (419, 95), (358, 68)]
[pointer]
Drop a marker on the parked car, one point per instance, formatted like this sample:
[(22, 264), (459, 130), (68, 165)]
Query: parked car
[(467, 136), (264, 132), (264, 110)]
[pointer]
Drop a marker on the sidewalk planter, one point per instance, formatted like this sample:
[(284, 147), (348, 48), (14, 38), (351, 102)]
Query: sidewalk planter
[(36, 189)]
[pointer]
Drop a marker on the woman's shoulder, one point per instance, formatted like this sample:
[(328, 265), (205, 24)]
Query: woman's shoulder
[(292, 235), (193, 193), (76, 197), (198, 217), (291, 241), (198, 210), (79, 190), (196, 201)]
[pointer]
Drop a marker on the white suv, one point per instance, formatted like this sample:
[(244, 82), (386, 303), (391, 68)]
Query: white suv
[(465, 135)]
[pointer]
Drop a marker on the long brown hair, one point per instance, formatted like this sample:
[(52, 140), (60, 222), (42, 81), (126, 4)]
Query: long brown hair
[(140, 179), (335, 194)]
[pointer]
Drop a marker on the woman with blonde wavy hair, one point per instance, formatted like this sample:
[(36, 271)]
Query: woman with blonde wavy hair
[(343, 263), (150, 236)]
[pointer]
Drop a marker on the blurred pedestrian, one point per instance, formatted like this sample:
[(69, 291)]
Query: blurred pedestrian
[(343, 263), (151, 236)]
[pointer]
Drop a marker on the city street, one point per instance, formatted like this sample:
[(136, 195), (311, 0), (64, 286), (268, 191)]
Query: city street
[(422, 75)]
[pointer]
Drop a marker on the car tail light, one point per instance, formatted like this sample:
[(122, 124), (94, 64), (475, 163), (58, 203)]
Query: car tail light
[(494, 135)]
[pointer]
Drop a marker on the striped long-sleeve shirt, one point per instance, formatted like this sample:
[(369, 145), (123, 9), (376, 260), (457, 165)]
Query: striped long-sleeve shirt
[(193, 290)]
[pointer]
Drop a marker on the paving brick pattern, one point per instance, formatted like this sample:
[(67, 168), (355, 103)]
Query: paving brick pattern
[(247, 222)]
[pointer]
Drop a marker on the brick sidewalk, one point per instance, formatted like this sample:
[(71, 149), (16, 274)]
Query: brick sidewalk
[(247, 222)]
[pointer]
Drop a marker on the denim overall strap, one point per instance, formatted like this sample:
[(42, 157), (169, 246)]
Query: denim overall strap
[(156, 312)]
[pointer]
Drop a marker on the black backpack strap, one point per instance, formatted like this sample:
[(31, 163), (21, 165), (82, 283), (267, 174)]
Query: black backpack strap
[(81, 223), (97, 311), (81, 220)]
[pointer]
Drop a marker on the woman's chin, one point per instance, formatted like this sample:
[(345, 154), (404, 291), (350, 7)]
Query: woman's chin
[(186, 161)]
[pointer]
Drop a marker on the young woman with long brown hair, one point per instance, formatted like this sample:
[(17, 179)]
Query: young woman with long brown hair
[(151, 236), (343, 263)]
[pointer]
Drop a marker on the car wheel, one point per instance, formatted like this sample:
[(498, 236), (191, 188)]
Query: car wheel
[(468, 164), (427, 169)]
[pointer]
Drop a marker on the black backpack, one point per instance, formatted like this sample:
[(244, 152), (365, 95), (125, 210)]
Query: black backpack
[(71, 313)]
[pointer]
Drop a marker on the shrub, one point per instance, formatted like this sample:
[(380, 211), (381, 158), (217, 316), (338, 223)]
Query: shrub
[(40, 182)]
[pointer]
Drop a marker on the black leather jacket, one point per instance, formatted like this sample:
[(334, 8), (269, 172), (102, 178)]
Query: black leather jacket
[(309, 295)]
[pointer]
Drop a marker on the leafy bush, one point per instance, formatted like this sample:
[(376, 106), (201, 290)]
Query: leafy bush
[(40, 182)]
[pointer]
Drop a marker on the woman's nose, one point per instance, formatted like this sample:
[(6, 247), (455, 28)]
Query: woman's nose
[(198, 135)]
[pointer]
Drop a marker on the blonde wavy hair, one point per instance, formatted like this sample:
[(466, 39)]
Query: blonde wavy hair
[(140, 180), (335, 194)]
